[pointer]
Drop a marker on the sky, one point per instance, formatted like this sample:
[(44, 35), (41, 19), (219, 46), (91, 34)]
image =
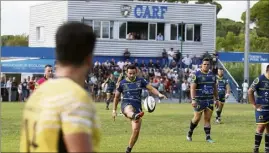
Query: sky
[(15, 14)]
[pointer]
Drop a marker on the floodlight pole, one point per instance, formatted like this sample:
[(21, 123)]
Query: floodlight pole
[(180, 60), (246, 52)]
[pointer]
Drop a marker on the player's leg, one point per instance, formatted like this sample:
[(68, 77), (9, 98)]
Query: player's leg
[(134, 113), (108, 95), (219, 110), (207, 125), (261, 125), (136, 125), (266, 138), (198, 110)]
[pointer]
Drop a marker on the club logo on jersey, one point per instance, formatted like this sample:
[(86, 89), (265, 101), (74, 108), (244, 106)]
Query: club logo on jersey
[(256, 81), (138, 84), (266, 85), (203, 79), (125, 10)]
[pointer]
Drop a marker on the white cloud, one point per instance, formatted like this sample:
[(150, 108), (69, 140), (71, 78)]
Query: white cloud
[(15, 14)]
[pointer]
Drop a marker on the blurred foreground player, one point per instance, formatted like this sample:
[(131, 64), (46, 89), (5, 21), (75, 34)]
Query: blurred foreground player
[(203, 93), (223, 92), (60, 116), (131, 88), (261, 86), (47, 75)]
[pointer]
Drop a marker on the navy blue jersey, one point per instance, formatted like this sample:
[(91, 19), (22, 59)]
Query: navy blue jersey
[(205, 85), (132, 90), (221, 84), (261, 86), (111, 84)]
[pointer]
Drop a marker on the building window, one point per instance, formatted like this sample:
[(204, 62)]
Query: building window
[(105, 29), (122, 30), (197, 32), (152, 31), (97, 28), (111, 29), (40, 33), (189, 32), (138, 31), (181, 29), (88, 22), (174, 28)]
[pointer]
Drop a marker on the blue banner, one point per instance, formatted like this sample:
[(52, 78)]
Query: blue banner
[(239, 57), (26, 66)]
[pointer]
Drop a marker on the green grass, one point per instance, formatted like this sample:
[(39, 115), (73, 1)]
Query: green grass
[(162, 131)]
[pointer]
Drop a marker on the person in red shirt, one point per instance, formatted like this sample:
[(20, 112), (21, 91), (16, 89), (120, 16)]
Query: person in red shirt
[(48, 74)]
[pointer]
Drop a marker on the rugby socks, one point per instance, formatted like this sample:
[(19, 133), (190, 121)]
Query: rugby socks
[(207, 132), (128, 150), (218, 114), (266, 143), (192, 127), (107, 103), (258, 139)]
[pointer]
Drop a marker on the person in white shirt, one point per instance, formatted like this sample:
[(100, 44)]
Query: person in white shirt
[(184, 87), (8, 86), (160, 37), (170, 56), (187, 61), (120, 64), (245, 91)]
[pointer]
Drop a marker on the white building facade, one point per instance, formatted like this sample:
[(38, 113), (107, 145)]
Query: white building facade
[(194, 24)]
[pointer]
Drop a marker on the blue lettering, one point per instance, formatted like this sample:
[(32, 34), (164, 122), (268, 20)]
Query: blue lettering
[(147, 13), (163, 10), (150, 12), (155, 10), (138, 11)]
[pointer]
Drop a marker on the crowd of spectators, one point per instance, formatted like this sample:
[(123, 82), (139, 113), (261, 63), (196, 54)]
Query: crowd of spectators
[(168, 74)]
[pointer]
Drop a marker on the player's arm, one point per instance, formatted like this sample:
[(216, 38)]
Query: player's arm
[(154, 91), (228, 90), (251, 91), (193, 87), (77, 126), (215, 92)]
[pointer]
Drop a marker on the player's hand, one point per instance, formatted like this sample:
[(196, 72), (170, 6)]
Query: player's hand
[(193, 103), (217, 103), (114, 114), (162, 96), (227, 96), (257, 106)]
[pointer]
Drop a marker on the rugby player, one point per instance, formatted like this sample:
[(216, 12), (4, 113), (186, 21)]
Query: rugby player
[(60, 116), (131, 88), (111, 85), (261, 86), (47, 75), (223, 92), (203, 93)]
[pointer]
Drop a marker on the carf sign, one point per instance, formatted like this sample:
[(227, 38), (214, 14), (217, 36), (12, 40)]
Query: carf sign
[(150, 11), (239, 57)]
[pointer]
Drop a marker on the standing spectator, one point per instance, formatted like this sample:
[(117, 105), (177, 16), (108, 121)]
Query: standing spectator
[(195, 62), (170, 56), (14, 89), (20, 92), (24, 89), (48, 74), (160, 37), (164, 58), (184, 87), (245, 91), (8, 86), (126, 54), (187, 61), (31, 85)]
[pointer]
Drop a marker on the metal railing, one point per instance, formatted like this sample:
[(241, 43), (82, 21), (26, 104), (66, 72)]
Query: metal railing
[(235, 88)]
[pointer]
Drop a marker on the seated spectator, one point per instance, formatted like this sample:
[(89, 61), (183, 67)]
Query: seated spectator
[(187, 61), (126, 54), (160, 37)]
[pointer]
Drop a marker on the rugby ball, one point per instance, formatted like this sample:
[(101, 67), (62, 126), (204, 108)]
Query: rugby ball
[(149, 104)]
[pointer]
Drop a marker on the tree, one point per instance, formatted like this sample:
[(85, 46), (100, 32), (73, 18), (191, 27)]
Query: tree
[(17, 40), (219, 7), (225, 25), (260, 17)]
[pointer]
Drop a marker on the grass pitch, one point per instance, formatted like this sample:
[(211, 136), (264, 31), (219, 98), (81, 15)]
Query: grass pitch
[(164, 130)]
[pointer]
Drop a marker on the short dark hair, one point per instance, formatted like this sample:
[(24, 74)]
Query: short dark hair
[(267, 68), (220, 68), (206, 59), (48, 65), (74, 42), (131, 66)]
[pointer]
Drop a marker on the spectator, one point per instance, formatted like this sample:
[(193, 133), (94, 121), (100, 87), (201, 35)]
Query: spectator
[(126, 54), (164, 58), (14, 89), (160, 37), (170, 56), (187, 61), (24, 90)]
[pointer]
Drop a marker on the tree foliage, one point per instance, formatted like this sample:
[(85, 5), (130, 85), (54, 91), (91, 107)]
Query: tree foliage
[(259, 15), (15, 40)]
